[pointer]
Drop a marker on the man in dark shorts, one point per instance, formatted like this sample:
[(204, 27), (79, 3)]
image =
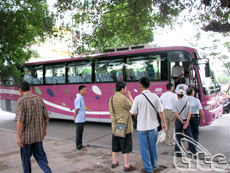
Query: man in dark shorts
[(119, 107)]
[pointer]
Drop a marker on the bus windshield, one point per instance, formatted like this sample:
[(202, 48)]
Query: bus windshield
[(209, 84)]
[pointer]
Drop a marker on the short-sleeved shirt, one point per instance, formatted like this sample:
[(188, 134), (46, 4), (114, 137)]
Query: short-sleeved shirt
[(195, 104), (119, 113), (32, 112), (168, 100), (147, 116), (179, 106), (177, 71), (179, 86), (79, 104)]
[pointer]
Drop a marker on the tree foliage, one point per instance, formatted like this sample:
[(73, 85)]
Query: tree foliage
[(115, 23), (213, 14), (21, 24), (112, 23)]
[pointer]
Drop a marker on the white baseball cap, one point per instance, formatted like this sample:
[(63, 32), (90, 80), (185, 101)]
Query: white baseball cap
[(180, 91)]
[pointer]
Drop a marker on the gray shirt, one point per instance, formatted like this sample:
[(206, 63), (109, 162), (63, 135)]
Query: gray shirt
[(179, 106)]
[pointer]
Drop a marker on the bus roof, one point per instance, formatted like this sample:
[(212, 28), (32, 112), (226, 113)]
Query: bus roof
[(117, 53)]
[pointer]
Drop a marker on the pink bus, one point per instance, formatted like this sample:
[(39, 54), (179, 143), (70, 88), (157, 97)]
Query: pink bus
[(57, 81)]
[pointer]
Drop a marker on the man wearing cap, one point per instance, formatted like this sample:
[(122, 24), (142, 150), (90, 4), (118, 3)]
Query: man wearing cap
[(182, 110)]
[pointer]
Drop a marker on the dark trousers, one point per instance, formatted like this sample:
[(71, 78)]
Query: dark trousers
[(179, 128), (39, 154), (176, 83), (195, 127), (79, 133)]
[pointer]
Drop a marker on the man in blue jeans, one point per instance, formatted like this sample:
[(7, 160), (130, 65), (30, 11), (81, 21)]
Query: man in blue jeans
[(147, 124), (31, 121)]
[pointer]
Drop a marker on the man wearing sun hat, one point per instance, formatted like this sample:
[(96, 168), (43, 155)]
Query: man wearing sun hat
[(182, 110)]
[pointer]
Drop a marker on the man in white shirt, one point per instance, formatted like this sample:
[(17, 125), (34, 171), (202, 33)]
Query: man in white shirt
[(177, 73), (196, 113), (147, 124), (182, 86), (168, 100)]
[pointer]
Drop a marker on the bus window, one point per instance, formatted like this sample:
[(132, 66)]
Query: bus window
[(28, 75), (148, 65), (33, 75), (55, 74), (109, 70), (9, 81), (80, 72)]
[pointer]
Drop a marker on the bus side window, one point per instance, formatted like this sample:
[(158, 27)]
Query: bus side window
[(33, 74), (144, 66), (80, 72), (109, 70), (55, 74)]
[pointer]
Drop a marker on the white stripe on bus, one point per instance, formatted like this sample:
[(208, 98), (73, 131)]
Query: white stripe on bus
[(15, 92)]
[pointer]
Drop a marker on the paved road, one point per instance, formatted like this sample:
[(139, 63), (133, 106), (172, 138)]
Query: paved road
[(215, 138)]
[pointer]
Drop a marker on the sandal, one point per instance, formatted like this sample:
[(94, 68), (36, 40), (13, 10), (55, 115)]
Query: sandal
[(131, 168), (115, 165)]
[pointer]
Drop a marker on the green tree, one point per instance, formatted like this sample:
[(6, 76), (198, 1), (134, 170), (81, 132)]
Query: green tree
[(22, 23), (112, 23)]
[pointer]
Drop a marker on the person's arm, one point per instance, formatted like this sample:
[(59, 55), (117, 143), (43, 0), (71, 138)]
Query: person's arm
[(46, 115), (77, 105), (179, 118), (46, 124), (187, 121), (202, 116), (18, 133), (134, 108), (128, 93), (19, 119), (75, 114), (163, 124)]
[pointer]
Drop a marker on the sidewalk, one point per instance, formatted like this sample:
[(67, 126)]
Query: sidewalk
[(64, 158)]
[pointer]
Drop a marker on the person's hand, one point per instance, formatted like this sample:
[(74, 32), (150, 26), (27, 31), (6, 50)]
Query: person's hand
[(128, 93), (45, 133), (185, 126), (164, 126), (19, 143), (203, 121), (74, 119)]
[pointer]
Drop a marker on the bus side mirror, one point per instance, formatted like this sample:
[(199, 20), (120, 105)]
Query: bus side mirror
[(207, 70)]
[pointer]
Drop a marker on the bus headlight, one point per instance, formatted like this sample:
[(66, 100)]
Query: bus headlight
[(207, 108)]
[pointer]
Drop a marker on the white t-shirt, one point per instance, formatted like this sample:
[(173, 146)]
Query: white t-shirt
[(184, 88), (147, 117), (168, 100), (177, 71)]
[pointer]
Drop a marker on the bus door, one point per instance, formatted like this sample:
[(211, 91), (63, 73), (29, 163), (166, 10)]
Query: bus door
[(180, 65)]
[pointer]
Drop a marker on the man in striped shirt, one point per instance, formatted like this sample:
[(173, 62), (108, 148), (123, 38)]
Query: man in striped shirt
[(31, 121)]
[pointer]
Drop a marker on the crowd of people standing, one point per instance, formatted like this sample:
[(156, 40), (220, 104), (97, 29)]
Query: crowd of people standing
[(176, 113)]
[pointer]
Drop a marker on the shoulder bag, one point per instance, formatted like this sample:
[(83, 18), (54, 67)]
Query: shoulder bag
[(183, 108), (158, 116), (120, 128)]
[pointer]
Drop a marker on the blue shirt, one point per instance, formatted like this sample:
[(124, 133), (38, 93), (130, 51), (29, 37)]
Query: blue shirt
[(79, 104), (195, 104)]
